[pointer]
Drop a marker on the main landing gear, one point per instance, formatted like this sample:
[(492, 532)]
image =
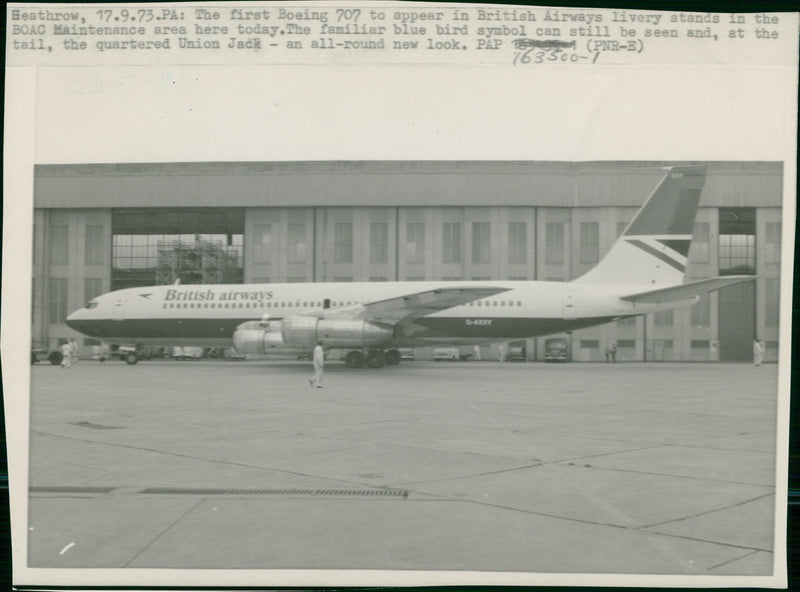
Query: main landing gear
[(374, 358)]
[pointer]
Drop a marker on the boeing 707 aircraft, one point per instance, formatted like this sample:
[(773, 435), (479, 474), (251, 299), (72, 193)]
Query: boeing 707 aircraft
[(642, 273)]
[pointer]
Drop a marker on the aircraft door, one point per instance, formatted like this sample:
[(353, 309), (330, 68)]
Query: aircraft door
[(568, 304), (119, 310)]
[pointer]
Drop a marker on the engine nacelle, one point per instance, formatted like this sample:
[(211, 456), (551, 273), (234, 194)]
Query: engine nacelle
[(304, 332), (255, 337)]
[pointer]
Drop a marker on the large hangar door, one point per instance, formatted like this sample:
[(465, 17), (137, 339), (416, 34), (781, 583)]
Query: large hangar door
[(737, 321)]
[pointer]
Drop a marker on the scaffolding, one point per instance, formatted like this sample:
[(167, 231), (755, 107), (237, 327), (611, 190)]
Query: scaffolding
[(200, 262)]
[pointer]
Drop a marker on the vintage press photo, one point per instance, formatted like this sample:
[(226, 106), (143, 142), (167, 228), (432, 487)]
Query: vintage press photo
[(397, 294)]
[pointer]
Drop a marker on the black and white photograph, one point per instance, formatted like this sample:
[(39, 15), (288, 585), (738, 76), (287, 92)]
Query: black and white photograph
[(423, 324)]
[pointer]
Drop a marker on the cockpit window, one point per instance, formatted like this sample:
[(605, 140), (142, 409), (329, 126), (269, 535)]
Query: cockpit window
[(92, 304)]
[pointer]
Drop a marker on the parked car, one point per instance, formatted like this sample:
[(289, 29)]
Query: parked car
[(187, 353), (450, 354), (517, 352), (556, 349)]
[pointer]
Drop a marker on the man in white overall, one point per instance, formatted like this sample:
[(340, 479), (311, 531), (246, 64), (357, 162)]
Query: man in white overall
[(319, 363)]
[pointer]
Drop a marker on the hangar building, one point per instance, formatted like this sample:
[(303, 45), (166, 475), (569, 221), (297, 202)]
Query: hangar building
[(101, 227)]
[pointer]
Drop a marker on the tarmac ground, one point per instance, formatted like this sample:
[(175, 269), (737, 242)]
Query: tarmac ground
[(479, 466)]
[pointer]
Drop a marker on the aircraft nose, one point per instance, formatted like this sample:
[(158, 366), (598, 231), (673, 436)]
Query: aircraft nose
[(77, 321), (71, 320)]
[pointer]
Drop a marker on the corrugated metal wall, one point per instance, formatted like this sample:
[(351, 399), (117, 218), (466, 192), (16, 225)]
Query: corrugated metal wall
[(385, 184)]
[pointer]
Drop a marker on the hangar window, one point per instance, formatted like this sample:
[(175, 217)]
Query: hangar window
[(415, 242), (590, 242), (296, 238), (700, 343), (631, 343), (554, 242), (343, 242), (517, 242), (59, 244), (378, 242), (481, 242), (590, 343), (451, 242), (262, 243), (663, 318), (95, 248)]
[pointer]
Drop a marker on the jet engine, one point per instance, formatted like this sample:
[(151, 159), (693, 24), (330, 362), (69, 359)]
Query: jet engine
[(256, 337), (304, 332)]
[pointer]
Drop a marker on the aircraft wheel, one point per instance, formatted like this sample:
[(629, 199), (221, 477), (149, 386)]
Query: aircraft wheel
[(392, 357), (55, 358), (376, 359), (354, 359), (131, 358)]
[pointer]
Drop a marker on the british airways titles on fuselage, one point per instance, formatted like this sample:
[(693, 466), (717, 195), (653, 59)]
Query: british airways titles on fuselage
[(179, 295)]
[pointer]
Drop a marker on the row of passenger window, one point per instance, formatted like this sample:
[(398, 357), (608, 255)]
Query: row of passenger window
[(306, 304), (495, 303)]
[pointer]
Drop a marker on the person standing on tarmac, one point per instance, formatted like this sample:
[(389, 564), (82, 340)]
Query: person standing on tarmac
[(758, 352), (66, 354), (73, 346), (319, 363)]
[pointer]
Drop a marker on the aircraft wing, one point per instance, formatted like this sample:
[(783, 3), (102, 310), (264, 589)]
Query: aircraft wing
[(688, 290), (413, 306)]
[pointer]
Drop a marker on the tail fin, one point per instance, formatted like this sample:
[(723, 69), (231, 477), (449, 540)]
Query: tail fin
[(654, 246)]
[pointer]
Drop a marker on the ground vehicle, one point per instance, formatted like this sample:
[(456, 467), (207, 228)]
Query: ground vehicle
[(127, 353), (40, 354), (407, 354), (187, 353), (451, 354), (556, 350), (517, 352)]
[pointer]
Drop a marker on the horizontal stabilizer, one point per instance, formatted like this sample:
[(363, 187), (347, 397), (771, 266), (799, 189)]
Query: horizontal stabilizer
[(688, 290)]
